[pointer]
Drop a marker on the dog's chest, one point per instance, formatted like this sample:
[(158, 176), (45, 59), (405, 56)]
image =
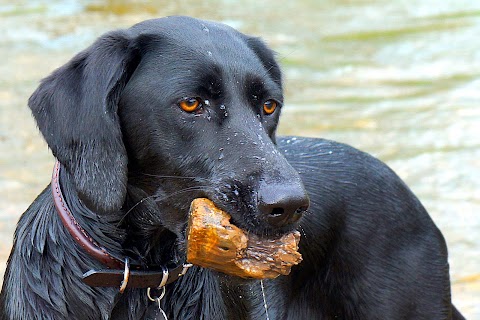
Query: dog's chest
[(255, 300)]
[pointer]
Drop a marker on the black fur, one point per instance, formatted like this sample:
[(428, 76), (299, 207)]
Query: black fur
[(134, 161)]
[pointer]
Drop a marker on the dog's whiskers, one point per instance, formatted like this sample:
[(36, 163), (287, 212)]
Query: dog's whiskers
[(158, 198), (196, 188), (133, 207), (302, 231), (174, 177)]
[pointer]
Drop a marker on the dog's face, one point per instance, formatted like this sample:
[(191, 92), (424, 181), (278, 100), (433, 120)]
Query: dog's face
[(178, 108)]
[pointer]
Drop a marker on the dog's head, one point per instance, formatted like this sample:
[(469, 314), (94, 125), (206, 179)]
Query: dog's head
[(177, 108)]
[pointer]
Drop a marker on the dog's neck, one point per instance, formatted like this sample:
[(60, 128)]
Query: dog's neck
[(195, 294), (113, 238), (51, 265), (76, 230), (100, 235), (104, 236)]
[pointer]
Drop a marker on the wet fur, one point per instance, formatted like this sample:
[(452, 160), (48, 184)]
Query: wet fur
[(134, 161)]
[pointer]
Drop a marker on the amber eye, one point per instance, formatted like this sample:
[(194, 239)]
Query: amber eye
[(190, 104), (269, 106)]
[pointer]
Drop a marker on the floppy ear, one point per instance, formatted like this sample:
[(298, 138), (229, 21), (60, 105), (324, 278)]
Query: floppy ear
[(76, 111), (267, 58)]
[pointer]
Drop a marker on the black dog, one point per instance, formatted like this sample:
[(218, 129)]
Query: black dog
[(149, 118)]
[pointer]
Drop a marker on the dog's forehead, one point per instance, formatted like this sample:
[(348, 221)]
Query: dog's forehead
[(204, 46), (173, 22), (187, 29), (197, 38)]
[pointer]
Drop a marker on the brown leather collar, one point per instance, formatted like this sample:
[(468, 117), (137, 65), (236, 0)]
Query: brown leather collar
[(75, 229), (118, 270)]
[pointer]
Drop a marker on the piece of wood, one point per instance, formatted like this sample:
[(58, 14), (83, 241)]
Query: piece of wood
[(213, 242)]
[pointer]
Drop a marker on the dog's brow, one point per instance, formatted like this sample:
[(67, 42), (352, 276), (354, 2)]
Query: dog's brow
[(204, 81), (261, 88), (212, 85)]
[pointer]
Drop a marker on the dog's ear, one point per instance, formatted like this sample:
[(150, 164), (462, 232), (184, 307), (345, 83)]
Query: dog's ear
[(76, 111), (267, 58)]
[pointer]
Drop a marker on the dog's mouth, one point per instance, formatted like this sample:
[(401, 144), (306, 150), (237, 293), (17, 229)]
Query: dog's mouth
[(225, 236), (214, 242), (242, 207)]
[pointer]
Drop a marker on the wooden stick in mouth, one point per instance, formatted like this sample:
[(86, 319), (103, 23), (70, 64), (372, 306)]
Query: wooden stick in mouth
[(213, 242)]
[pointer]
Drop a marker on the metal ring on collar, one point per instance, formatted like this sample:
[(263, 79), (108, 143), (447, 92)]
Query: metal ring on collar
[(160, 286), (155, 299)]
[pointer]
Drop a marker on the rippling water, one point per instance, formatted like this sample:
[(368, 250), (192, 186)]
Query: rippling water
[(398, 79)]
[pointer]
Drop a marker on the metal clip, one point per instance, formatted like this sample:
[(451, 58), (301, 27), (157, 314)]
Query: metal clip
[(126, 276), (158, 299), (164, 278), (186, 266)]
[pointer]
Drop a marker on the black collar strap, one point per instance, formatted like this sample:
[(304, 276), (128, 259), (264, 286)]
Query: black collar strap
[(133, 278), (118, 273)]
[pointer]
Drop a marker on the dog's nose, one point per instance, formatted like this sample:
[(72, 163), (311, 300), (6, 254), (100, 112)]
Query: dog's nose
[(282, 205)]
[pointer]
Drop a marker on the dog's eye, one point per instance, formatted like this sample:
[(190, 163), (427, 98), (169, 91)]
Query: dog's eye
[(269, 106), (190, 104)]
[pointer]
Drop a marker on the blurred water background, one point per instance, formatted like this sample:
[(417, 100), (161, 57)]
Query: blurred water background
[(398, 79)]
